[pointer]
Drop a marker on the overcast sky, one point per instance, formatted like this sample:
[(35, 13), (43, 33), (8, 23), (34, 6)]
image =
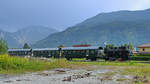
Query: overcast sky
[(60, 14)]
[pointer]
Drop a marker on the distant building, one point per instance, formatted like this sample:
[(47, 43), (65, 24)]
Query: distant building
[(82, 45), (144, 48)]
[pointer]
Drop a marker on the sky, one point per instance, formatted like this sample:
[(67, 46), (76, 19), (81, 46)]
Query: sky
[(59, 14)]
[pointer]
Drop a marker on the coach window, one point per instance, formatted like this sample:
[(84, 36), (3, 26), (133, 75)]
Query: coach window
[(74, 51), (70, 51), (52, 52), (55, 52), (66, 52), (143, 49), (77, 51), (82, 51), (92, 51)]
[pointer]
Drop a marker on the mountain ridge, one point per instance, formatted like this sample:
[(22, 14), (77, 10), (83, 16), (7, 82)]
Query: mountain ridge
[(29, 35), (116, 27), (32, 34)]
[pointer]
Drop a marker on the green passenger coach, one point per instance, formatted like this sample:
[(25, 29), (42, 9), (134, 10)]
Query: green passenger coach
[(19, 52), (46, 52), (91, 53)]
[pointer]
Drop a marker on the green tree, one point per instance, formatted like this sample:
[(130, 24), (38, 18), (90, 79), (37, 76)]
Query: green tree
[(3, 47), (61, 46), (110, 46), (129, 46), (26, 46)]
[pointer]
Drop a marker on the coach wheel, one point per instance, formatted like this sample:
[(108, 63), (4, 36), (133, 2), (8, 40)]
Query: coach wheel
[(69, 59), (94, 59)]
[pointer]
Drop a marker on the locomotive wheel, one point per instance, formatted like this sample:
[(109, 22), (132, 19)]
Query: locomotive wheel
[(68, 59)]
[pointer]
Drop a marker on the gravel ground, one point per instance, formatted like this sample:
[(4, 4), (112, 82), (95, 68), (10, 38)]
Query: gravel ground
[(67, 76)]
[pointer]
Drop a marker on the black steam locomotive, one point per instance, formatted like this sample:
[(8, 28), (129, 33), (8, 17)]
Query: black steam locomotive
[(117, 53)]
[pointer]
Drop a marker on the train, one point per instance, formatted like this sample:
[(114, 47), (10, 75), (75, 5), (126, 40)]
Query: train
[(90, 53)]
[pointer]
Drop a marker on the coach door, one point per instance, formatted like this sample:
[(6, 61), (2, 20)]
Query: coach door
[(87, 53), (100, 52)]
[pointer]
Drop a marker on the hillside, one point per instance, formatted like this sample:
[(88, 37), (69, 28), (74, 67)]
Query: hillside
[(116, 27), (32, 34), (26, 35), (9, 38)]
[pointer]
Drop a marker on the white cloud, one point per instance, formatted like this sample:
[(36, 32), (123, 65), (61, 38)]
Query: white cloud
[(140, 4)]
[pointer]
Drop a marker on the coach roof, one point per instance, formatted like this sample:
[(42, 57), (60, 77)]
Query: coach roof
[(19, 49), (80, 48), (43, 49)]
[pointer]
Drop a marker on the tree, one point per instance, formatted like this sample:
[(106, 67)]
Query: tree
[(26, 46), (3, 47), (129, 46), (110, 46), (61, 46)]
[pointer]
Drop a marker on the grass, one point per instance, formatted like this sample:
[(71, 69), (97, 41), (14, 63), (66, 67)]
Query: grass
[(114, 63), (134, 68), (140, 71), (11, 65), (120, 79)]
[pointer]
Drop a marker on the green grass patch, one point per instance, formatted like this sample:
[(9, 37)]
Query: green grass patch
[(10, 65), (134, 68), (78, 59), (140, 58), (140, 71), (121, 79), (114, 63)]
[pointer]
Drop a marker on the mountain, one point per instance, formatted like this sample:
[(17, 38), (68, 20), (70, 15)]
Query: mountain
[(116, 27), (32, 34), (9, 38), (29, 35)]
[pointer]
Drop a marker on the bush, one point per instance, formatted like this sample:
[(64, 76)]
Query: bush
[(3, 47), (10, 64), (143, 55), (140, 58)]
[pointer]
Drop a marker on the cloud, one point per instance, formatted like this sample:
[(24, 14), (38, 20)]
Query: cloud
[(140, 4)]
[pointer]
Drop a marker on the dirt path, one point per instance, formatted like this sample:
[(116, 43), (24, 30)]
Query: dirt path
[(68, 76)]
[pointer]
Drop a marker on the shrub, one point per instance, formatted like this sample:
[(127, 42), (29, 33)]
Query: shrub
[(140, 58), (143, 55), (3, 47), (18, 65)]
